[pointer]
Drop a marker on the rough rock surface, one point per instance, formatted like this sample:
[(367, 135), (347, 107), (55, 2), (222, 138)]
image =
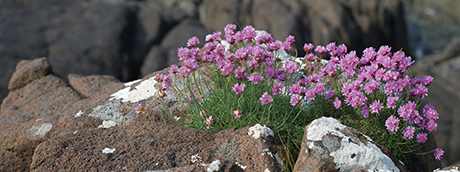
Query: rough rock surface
[(48, 107), (444, 96), (27, 71), (452, 168), (154, 146), (328, 145)]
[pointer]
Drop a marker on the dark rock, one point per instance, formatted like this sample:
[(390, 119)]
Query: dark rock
[(215, 15), (328, 145), (90, 41), (21, 37), (424, 162), (444, 96), (358, 24), (154, 146), (147, 33), (174, 39), (27, 71)]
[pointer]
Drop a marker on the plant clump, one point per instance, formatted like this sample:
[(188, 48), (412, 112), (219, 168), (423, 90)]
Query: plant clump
[(256, 81)]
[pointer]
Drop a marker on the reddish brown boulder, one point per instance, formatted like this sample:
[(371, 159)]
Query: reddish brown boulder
[(27, 71), (157, 146)]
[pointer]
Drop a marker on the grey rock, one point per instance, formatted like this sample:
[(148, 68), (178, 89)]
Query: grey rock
[(166, 53)]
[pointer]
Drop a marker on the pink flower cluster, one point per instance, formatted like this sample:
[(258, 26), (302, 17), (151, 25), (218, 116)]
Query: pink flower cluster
[(376, 71)]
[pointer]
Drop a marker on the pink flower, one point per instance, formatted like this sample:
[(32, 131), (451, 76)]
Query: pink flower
[(174, 69), (208, 121), (291, 67), (193, 42), (422, 137), (331, 47), (237, 88), (376, 106), (139, 109), (229, 30), (341, 50), (384, 50), (429, 112), (295, 89), (330, 94), (311, 57), (249, 33), (408, 132), (255, 77), (308, 47), (237, 114), (371, 86), (391, 102), (266, 99), (350, 63), (295, 99), (265, 38), (355, 98), (277, 88), (438, 153), (337, 103), (274, 46), (270, 72), (426, 80), (392, 123), (320, 49), (217, 36), (408, 111), (365, 111), (431, 125), (240, 73), (315, 78), (368, 55)]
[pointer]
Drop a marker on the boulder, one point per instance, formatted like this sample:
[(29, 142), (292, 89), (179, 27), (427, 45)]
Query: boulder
[(18, 42), (328, 145), (48, 107), (444, 96), (27, 71), (157, 146), (358, 24), (452, 168), (91, 40), (166, 54)]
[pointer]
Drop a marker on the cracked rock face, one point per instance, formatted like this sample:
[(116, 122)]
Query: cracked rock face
[(328, 145)]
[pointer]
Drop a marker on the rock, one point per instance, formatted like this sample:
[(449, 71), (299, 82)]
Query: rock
[(155, 146), (10, 162), (91, 41), (148, 27), (43, 109), (328, 145), (166, 54), (452, 168), (27, 71), (94, 85), (15, 36), (443, 95), (357, 24), (424, 162)]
